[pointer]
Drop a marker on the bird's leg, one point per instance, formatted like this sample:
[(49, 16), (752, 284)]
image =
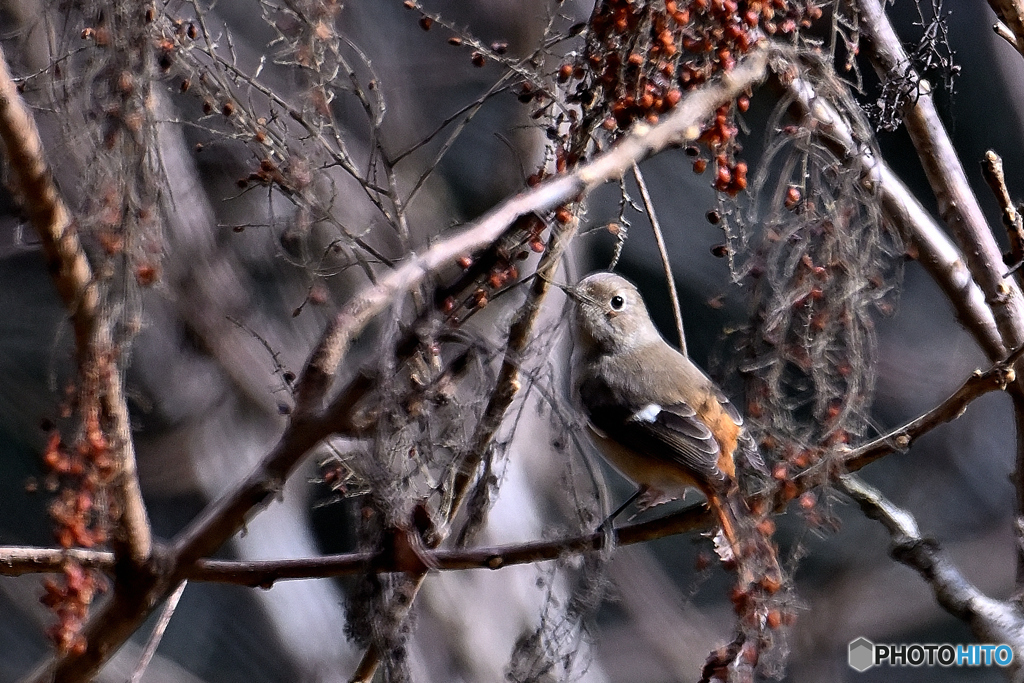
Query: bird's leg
[(618, 511)]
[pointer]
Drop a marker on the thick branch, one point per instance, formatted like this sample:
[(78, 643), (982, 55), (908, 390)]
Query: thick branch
[(108, 631), (681, 126), (1011, 24), (991, 620)]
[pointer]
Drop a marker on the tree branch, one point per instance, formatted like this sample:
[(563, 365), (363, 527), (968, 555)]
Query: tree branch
[(958, 205), (938, 254), (997, 378), (17, 561), (670, 279), (992, 621), (121, 616), (681, 126), (1011, 26)]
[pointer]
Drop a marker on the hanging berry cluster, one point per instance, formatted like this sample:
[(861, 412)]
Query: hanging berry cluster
[(81, 513), (640, 57)]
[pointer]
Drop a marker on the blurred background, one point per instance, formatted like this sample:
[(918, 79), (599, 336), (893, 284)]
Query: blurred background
[(206, 397)]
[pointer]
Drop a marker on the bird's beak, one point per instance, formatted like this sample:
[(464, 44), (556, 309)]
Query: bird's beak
[(569, 290)]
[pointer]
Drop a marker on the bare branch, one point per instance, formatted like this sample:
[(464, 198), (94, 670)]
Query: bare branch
[(47, 211), (108, 630), (992, 169), (997, 378), (16, 561), (958, 205), (991, 620), (680, 126), (1011, 26), (937, 254), (19, 560), (158, 633)]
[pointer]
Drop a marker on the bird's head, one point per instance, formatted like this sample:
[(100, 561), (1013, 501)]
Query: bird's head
[(610, 314)]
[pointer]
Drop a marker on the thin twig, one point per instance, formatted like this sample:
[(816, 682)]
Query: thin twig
[(663, 252), (18, 560), (992, 169), (158, 633), (997, 378)]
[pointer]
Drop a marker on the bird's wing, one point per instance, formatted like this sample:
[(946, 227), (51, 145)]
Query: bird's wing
[(746, 448), (669, 432)]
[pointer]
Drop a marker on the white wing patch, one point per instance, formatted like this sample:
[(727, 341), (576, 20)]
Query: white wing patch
[(649, 413)]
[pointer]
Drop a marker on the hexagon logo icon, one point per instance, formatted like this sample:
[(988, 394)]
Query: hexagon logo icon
[(862, 654)]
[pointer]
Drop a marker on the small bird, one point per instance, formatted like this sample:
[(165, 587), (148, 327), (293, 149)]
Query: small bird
[(653, 414)]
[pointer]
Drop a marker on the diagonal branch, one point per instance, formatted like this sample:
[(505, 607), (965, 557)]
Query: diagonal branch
[(680, 126), (1010, 26), (659, 237), (958, 205), (997, 378), (992, 621), (938, 254)]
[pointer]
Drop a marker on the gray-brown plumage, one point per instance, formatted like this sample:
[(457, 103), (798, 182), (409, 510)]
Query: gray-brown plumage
[(655, 416)]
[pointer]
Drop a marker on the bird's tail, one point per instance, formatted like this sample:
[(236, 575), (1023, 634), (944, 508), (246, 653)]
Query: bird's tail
[(761, 597)]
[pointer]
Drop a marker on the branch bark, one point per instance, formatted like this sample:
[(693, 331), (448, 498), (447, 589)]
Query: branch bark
[(679, 127), (992, 621), (1011, 25), (938, 254), (997, 378), (958, 205)]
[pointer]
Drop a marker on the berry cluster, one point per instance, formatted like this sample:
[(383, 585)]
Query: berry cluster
[(69, 597), (81, 513), (490, 273), (640, 58)]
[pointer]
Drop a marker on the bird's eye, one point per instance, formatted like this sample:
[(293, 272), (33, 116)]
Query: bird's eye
[(617, 303)]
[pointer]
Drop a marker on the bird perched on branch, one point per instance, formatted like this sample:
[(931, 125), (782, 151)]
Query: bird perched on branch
[(661, 422), (654, 415)]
